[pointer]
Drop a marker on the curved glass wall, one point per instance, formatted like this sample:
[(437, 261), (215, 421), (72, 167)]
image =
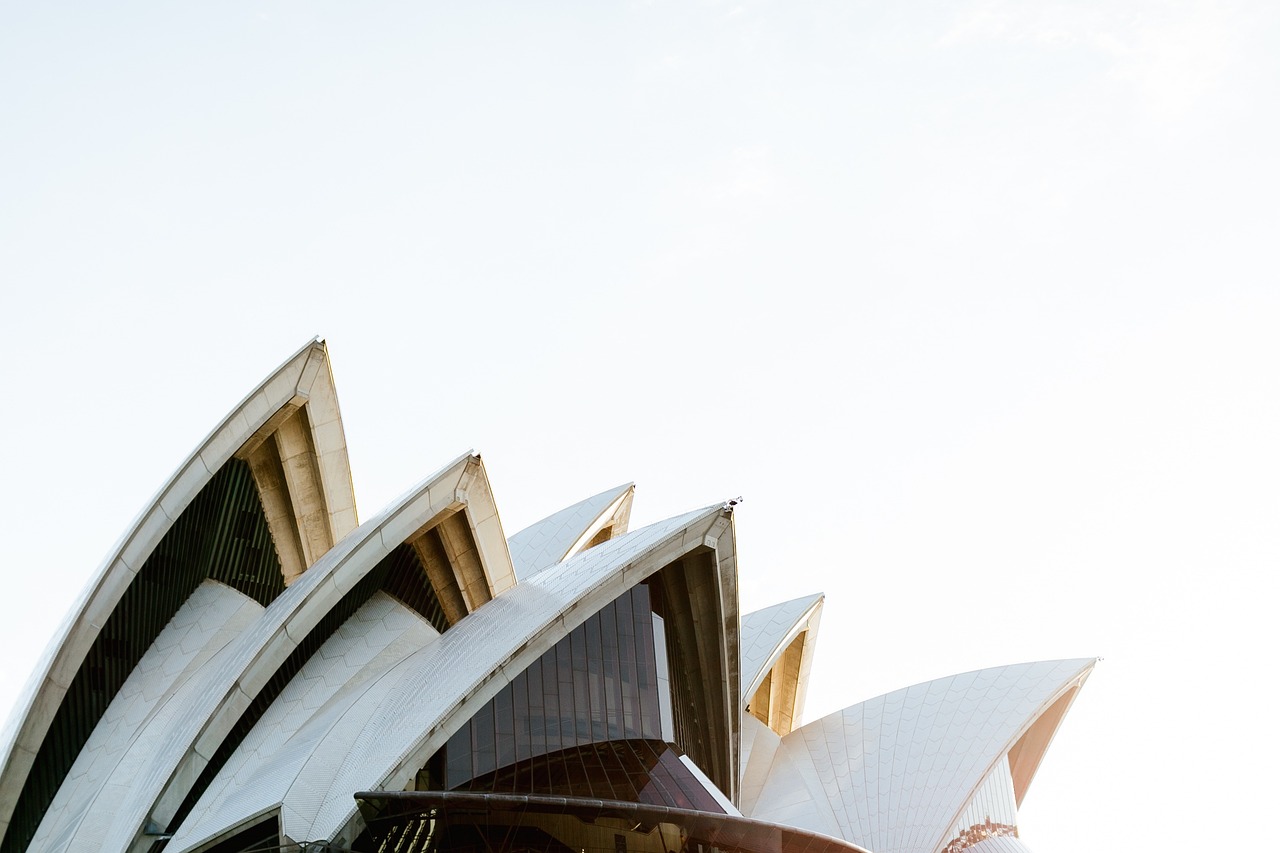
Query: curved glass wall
[(587, 719)]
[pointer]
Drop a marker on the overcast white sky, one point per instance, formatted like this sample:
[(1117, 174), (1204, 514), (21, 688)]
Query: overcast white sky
[(974, 302)]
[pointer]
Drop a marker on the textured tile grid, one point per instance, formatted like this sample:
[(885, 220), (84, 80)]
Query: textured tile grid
[(401, 717), (206, 622), (378, 636), (546, 542), (897, 770)]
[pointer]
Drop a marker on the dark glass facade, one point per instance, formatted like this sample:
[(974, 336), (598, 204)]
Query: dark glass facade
[(597, 684), (584, 720)]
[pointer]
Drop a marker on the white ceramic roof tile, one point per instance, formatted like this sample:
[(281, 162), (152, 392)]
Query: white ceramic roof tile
[(206, 622), (406, 713), (381, 634), (765, 634), (896, 771), (546, 542)]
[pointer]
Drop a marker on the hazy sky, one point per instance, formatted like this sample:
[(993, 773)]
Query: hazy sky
[(974, 302)]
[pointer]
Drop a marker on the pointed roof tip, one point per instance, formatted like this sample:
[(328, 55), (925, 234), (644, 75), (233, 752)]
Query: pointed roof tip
[(671, 522), (561, 534), (811, 597), (766, 633)]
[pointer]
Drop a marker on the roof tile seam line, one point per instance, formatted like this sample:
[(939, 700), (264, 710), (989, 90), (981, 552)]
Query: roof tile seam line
[(893, 763), (104, 787), (815, 778), (915, 727), (1030, 721), (1076, 679), (951, 720)]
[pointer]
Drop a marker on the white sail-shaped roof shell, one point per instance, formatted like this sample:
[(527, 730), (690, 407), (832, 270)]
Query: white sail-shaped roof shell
[(381, 737), (893, 774), (304, 379)]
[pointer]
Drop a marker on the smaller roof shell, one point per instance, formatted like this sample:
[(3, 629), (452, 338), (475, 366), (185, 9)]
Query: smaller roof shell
[(766, 633), (894, 773)]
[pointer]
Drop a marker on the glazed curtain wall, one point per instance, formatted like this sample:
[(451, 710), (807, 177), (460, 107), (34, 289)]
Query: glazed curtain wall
[(598, 684), (584, 720)]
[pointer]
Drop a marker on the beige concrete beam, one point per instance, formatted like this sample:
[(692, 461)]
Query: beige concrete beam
[(302, 473), (273, 491)]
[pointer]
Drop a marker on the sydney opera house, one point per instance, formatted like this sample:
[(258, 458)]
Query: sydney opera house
[(252, 669)]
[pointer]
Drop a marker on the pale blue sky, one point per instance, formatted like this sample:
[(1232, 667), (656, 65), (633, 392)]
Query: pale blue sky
[(974, 302)]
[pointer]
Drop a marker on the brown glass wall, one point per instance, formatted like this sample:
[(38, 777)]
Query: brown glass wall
[(634, 771), (598, 684)]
